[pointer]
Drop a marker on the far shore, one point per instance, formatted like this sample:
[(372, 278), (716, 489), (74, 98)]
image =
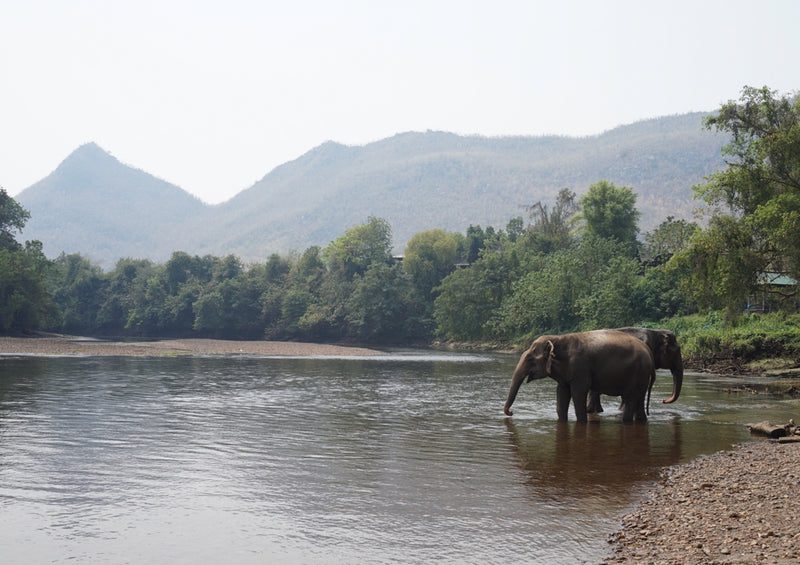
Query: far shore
[(51, 344)]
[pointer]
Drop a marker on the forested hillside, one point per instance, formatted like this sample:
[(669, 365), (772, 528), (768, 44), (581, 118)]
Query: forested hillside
[(94, 205)]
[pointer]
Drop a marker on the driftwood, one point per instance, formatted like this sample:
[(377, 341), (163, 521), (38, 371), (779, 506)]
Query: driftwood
[(771, 430), (768, 429)]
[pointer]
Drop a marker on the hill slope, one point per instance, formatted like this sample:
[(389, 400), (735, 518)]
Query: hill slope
[(416, 181), (94, 205)]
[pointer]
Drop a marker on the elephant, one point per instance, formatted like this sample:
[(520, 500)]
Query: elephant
[(607, 361), (666, 355)]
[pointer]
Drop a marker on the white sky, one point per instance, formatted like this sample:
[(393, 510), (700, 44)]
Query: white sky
[(211, 96)]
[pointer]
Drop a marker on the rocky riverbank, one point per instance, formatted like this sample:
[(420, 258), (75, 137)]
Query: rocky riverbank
[(739, 506), (72, 345)]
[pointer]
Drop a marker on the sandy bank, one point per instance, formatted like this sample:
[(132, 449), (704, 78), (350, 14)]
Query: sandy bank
[(71, 345)]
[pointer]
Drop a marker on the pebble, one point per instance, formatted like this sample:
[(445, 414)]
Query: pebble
[(734, 507)]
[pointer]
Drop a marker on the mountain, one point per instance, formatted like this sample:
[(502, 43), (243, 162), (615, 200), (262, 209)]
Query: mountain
[(101, 208), (415, 180)]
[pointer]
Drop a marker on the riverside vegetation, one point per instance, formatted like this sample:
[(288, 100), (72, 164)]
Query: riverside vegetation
[(573, 264)]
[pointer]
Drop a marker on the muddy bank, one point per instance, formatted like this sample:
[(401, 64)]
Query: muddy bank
[(72, 345), (739, 506)]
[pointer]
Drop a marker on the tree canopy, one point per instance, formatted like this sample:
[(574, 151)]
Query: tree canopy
[(610, 213), (755, 201)]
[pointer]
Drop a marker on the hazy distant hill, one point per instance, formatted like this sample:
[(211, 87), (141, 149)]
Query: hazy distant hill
[(95, 205), (416, 181)]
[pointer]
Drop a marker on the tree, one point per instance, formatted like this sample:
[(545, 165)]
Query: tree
[(79, 286), (552, 228), (12, 218), (760, 187), (586, 286), (429, 257), (670, 237), (361, 246), (25, 301), (610, 213)]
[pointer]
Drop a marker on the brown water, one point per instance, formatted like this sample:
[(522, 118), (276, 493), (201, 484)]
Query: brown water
[(406, 458)]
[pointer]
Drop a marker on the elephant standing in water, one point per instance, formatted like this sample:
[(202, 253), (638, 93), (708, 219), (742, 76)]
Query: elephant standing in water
[(666, 355), (607, 361)]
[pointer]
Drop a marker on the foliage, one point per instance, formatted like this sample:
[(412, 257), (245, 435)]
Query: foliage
[(609, 212), (552, 229), (753, 336), (586, 286), (430, 256), (360, 246), (12, 218), (760, 230), (25, 301), (669, 238)]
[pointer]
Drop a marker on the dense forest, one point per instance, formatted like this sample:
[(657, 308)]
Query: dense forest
[(569, 264)]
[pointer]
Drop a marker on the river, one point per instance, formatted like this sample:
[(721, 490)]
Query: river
[(400, 458)]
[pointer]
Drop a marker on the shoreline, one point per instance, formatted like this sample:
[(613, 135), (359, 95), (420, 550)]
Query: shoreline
[(53, 345), (735, 506)]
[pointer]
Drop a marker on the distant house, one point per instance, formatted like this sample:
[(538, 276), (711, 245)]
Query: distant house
[(772, 286)]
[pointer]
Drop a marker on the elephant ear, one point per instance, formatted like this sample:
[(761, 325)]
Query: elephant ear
[(551, 356)]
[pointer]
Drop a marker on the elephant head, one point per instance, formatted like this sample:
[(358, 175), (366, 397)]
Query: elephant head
[(666, 354), (535, 363)]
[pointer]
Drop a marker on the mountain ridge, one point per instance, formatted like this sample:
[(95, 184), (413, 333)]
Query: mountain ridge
[(95, 205)]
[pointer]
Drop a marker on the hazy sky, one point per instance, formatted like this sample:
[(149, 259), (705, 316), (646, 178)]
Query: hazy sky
[(211, 96)]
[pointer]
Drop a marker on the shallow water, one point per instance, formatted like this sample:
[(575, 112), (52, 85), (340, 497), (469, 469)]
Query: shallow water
[(404, 458)]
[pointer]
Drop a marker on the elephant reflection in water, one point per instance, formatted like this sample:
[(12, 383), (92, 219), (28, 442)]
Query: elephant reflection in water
[(666, 355), (585, 461)]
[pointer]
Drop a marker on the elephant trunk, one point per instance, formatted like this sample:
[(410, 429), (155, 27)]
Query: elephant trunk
[(516, 382), (677, 381)]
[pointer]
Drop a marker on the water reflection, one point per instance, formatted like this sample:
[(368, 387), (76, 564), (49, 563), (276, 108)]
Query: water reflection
[(405, 457), (598, 458)]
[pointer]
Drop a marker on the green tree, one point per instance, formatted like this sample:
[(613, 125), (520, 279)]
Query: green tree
[(586, 286), (379, 307), (756, 223), (670, 237), (13, 217), (25, 300), (551, 228), (610, 213), (79, 288), (429, 257), (468, 298), (361, 246)]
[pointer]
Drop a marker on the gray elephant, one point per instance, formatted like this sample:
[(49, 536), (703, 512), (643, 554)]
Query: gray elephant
[(666, 355), (607, 361)]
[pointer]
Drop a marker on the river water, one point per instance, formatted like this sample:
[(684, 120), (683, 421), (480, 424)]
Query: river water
[(401, 458)]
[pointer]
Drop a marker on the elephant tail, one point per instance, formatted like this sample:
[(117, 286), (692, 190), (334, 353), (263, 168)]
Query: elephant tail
[(649, 390)]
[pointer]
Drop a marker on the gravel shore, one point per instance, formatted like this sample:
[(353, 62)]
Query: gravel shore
[(72, 345), (739, 506)]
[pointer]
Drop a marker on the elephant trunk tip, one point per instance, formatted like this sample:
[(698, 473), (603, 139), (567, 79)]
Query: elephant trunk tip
[(671, 399), (508, 411)]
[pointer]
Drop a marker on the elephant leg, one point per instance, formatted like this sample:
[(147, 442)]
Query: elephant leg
[(641, 412), (563, 396), (593, 405), (628, 409), (579, 401)]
